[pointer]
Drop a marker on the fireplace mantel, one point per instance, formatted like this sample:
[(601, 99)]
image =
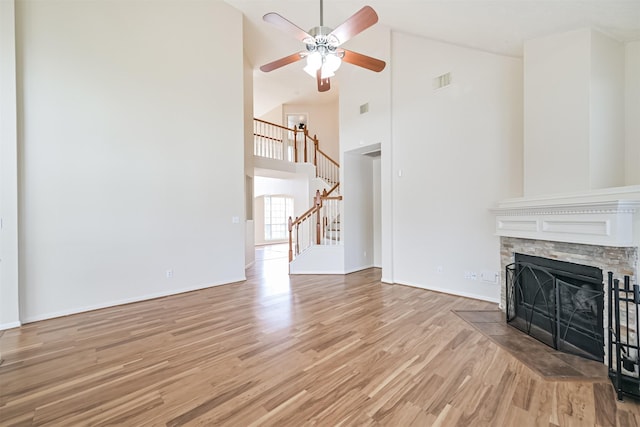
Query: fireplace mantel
[(605, 217)]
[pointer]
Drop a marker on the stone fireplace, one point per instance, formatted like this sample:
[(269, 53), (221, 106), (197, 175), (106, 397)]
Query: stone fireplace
[(600, 229)]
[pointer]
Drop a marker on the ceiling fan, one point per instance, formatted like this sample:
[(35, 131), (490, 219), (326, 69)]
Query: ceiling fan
[(323, 52)]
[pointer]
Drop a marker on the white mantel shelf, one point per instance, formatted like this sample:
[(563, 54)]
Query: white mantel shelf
[(606, 217)]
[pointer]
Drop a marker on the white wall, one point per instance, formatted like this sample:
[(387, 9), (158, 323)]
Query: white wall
[(456, 152), (130, 163), (274, 116), (556, 113), (357, 87), (377, 210), (632, 113), (323, 122), (9, 291), (574, 113), (606, 116), (249, 233), (356, 220)]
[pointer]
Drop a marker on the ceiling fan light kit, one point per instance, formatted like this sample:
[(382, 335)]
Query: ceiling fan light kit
[(323, 53)]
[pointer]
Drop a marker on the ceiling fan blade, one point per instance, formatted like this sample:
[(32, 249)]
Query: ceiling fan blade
[(287, 26), (363, 61), (294, 57), (323, 84), (357, 23)]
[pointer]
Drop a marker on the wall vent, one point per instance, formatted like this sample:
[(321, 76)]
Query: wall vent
[(364, 108), (442, 81)]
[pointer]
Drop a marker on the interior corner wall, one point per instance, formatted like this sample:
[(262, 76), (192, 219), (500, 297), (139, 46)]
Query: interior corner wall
[(9, 277), (249, 247), (457, 151), (323, 122), (632, 113), (376, 181), (358, 87), (130, 163), (607, 114), (556, 113), (274, 116)]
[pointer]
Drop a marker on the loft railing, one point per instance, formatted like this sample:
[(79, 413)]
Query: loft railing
[(293, 145), (272, 141), (320, 225)]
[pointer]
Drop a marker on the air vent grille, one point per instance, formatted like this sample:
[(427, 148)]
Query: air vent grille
[(442, 81)]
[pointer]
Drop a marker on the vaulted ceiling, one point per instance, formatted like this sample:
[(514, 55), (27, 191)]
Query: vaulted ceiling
[(499, 26)]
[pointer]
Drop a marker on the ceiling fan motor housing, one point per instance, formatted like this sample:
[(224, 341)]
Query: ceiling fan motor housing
[(322, 40)]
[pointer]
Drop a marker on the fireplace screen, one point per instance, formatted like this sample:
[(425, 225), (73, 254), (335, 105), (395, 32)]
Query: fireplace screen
[(559, 303)]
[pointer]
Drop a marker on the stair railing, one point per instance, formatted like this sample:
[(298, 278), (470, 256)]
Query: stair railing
[(294, 145), (320, 225), (273, 141)]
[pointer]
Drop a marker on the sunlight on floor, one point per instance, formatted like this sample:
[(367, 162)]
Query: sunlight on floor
[(272, 264)]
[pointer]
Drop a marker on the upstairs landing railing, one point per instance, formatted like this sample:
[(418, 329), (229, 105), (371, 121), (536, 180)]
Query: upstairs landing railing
[(293, 145)]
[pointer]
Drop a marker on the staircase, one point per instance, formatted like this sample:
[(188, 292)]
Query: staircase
[(317, 229)]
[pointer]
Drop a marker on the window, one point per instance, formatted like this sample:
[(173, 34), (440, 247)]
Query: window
[(277, 210)]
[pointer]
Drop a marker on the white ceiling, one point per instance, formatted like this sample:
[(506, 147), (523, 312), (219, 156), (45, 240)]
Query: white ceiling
[(495, 26)]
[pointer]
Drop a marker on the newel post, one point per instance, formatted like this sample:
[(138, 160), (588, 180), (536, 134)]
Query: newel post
[(295, 145), (306, 135), (318, 203), (290, 240), (315, 153)]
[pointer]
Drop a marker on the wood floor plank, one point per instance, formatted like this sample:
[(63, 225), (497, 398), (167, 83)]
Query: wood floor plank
[(279, 350)]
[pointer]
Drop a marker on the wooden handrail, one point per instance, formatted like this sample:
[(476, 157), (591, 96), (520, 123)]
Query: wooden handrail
[(296, 131), (321, 220), (275, 124), (328, 158), (332, 189), (317, 204)]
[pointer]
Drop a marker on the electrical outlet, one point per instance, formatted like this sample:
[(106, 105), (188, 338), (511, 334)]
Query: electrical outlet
[(490, 276), (169, 274)]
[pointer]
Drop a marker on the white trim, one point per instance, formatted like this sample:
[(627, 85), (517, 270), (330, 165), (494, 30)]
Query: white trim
[(353, 270), (631, 192), (450, 292), (10, 325), (302, 272), (589, 220), (116, 303), (251, 264)]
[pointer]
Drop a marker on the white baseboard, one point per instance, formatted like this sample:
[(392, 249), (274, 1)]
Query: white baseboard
[(353, 270), (317, 272), (251, 264), (115, 303), (452, 292), (10, 325)]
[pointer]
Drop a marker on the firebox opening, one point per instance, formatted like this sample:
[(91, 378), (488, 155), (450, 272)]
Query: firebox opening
[(557, 302)]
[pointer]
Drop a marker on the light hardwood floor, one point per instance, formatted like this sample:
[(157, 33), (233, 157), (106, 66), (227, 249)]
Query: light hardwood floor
[(309, 350)]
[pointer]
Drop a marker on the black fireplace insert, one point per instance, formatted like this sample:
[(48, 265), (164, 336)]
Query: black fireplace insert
[(559, 303)]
